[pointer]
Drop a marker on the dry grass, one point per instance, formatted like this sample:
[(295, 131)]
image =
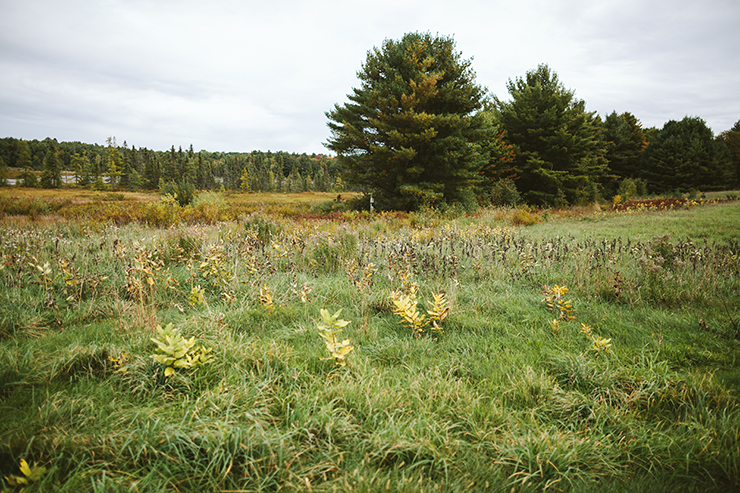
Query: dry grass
[(83, 196), (75, 195), (286, 198)]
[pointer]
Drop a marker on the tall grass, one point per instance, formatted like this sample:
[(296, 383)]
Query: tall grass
[(500, 400)]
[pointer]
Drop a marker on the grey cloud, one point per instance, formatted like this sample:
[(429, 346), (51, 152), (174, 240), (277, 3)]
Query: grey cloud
[(233, 75)]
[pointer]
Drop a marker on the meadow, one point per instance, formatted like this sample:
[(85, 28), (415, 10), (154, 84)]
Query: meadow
[(255, 343)]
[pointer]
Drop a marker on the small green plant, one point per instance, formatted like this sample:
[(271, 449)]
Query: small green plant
[(119, 362), (505, 194), (30, 475), (329, 327), (178, 352)]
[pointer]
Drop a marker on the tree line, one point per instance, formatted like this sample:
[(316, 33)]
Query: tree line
[(41, 163), (419, 131)]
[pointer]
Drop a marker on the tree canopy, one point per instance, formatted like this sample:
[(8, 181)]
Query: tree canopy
[(412, 133), (51, 177), (684, 156), (625, 141), (558, 145), (731, 139)]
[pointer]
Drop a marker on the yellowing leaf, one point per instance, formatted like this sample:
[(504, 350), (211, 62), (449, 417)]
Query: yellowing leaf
[(24, 468)]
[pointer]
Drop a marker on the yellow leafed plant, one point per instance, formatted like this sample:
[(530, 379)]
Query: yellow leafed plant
[(555, 302), (405, 306), (30, 475), (440, 310), (329, 327)]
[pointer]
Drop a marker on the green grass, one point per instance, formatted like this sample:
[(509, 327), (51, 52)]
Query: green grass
[(711, 223), (498, 402)]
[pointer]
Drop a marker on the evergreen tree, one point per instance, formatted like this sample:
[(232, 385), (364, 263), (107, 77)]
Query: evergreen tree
[(169, 168), (201, 173), (731, 139), (130, 168), (151, 171), (24, 156), (134, 180), (412, 133), (625, 141), (686, 156), (81, 168), (3, 172), (190, 170), (9, 150), (28, 178), (558, 146), (500, 164), (180, 164), (113, 161), (51, 176), (245, 181)]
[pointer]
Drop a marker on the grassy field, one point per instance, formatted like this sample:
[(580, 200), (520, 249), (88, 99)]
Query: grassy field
[(587, 351)]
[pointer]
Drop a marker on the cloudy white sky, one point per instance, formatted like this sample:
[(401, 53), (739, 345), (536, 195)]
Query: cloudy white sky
[(229, 75)]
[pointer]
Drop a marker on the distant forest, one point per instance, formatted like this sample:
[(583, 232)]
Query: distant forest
[(103, 166)]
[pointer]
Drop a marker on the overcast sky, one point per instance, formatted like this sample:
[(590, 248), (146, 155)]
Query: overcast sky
[(244, 75)]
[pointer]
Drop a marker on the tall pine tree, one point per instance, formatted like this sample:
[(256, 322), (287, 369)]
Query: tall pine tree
[(685, 156), (558, 145), (51, 176), (731, 139), (412, 133)]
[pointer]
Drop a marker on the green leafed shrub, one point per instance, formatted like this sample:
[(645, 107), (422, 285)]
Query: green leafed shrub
[(178, 352), (505, 194), (183, 192)]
